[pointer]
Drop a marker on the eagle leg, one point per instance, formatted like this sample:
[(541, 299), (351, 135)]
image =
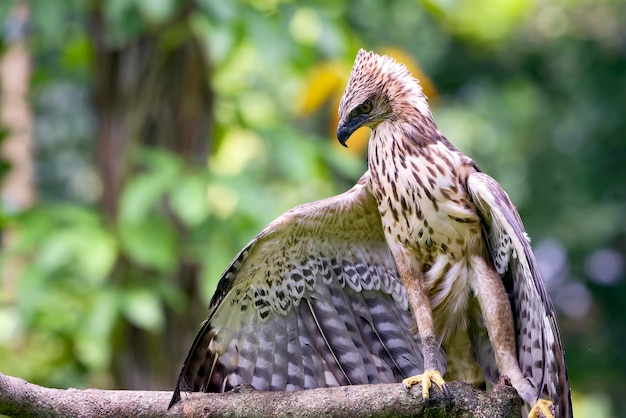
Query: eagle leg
[(410, 272), (499, 320)]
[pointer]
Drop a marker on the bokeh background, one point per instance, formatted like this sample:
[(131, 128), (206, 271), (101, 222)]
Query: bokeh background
[(144, 142)]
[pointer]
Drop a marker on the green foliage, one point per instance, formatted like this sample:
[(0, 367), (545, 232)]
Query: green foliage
[(483, 21), (65, 254)]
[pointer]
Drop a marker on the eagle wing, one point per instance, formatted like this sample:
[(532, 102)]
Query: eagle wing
[(540, 351), (314, 300)]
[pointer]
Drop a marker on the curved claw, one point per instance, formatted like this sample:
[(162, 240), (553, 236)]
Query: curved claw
[(426, 378), (445, 390), (541, 408)]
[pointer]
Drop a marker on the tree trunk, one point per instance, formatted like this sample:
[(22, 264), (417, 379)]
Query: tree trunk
[(152, 91), (16, 145)]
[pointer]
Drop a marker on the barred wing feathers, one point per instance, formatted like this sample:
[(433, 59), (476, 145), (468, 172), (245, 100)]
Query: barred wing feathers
[(313, 301), (539, 347)]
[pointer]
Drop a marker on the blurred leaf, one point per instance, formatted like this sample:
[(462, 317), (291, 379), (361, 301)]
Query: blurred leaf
[(349, 165), (326, 81), (78, 52), (9, 323), (172, 295), (124, 20), (594, 404), (240, 148), (30, 293), (219, 11), (222, 201), (143, 192), (485, 21), (189, 200), (140, 196), (58, 249), (298, 156), (306, 27), (68, 235), (96, 254), (143, 308), (150, 242), (156, 11), (94, 339), (47, 17)]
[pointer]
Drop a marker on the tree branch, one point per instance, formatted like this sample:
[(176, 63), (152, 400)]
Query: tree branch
[(20, 398)]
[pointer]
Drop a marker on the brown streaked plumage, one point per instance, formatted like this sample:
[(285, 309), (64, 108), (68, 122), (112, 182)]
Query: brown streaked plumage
[(332, 292), (458, 243), (313, 301)]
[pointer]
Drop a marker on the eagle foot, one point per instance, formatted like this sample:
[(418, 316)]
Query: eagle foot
[(426, 378), (541, 408)]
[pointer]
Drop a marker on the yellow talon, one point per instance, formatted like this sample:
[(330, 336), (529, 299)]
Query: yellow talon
[(543, 407), (426, 378)]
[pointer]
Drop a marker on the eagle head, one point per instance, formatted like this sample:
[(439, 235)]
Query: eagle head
[(378, 88)]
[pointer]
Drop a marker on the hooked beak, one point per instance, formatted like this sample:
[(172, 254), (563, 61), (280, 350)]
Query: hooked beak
[(345, 129)]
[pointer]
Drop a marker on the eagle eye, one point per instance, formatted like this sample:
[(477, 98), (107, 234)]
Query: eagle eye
[(362, 109), (365, 107)]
